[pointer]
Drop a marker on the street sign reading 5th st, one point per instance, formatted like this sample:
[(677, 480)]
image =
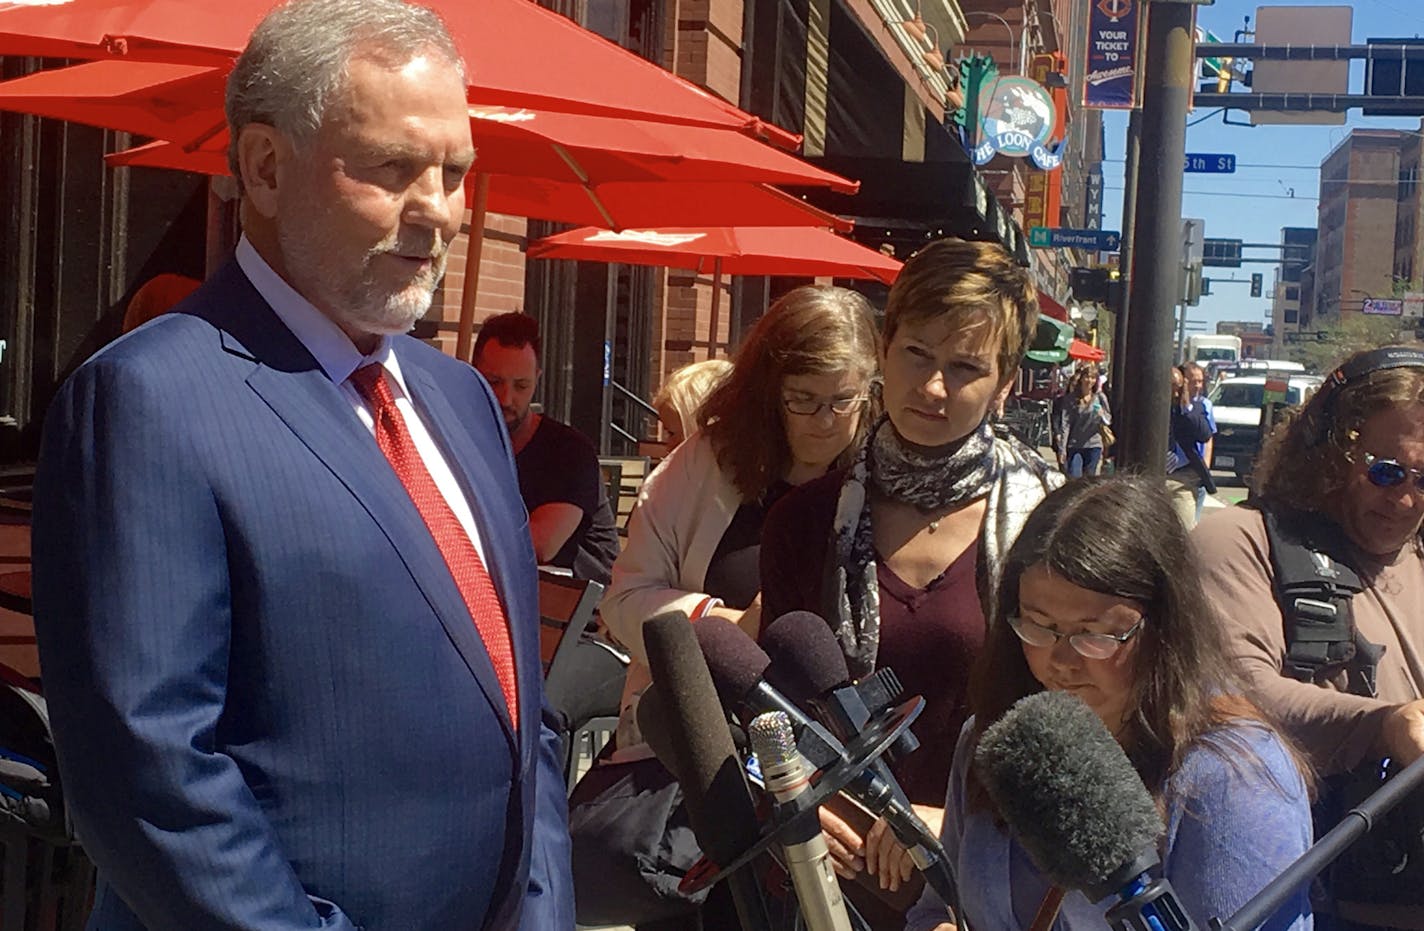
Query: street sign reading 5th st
[(1211, 163), (1048, 237)]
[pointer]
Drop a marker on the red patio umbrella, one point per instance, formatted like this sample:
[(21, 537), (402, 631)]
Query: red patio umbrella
[(546, 165), (518, 53), (567, 201), (1085, 352), (184, 104), (801, 251)]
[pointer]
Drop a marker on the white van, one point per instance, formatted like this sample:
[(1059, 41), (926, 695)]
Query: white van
[(1203, 348), (1236, 405)]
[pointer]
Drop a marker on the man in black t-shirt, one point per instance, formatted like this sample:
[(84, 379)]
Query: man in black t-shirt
[(570, 520)]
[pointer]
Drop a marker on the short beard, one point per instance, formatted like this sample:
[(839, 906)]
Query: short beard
[(355, 300)]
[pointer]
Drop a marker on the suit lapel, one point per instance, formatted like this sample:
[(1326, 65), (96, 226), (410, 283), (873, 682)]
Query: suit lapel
[(294, 386)]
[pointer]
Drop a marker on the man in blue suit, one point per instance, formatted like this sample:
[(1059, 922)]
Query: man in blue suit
[(284, 589)]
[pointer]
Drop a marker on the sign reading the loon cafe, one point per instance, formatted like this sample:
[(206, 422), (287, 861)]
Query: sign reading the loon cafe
[(1017, 118)]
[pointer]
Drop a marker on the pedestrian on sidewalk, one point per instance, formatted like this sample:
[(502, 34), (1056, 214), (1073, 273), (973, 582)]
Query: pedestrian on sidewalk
[(1081, 416)]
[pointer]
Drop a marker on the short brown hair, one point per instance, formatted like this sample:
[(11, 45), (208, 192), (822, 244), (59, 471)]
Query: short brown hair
[(970, 282), (813, 330), (1305, 461)]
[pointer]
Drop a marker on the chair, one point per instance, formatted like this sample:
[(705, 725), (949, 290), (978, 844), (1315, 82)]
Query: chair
[(631, 470), (566, 607)]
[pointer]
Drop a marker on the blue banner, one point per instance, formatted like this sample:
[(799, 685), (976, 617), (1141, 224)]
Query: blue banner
[(1110, 79)]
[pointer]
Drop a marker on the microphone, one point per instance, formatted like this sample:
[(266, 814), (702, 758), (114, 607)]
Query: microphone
[(1357, 822), (739, 669), (807, 858), (1069, 793), (699, 751), (807, 666)]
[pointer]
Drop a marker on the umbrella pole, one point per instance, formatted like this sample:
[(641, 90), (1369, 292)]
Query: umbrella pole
[(716, 307), (471, 289)]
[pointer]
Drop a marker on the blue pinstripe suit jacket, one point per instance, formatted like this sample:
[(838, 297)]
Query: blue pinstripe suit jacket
[(271, 706)]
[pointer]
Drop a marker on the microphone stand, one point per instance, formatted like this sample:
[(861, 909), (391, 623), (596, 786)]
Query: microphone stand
[(1357, 822)]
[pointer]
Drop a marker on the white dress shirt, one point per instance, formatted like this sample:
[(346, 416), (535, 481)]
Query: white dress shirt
[(339, 358)]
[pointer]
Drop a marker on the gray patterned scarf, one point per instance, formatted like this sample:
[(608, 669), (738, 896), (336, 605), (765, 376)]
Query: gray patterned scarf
[(1009, 474)]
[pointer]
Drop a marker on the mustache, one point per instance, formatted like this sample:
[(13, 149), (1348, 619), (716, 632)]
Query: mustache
[(431, 247)]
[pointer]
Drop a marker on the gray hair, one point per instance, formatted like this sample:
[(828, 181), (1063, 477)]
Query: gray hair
[(294, 65)]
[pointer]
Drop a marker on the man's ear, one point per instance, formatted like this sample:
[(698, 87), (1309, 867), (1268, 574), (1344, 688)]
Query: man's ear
[(260, 150)]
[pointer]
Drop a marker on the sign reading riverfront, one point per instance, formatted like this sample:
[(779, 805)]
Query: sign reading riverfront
[(1048, 237)]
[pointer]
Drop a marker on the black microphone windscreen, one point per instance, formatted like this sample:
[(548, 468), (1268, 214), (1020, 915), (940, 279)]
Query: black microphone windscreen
[(736, 662), (1067, 791), (655, 729), (688, 720), (806, 658)]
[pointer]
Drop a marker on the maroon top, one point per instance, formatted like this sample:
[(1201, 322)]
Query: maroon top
[(929, 637)]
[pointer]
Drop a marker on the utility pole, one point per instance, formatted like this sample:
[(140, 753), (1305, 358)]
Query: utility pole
[(1125, 253), (1156, 252)]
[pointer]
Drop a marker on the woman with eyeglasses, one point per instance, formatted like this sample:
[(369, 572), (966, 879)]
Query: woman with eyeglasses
[(1100, 597), (898, 551), (791, 409), (1344, 474)]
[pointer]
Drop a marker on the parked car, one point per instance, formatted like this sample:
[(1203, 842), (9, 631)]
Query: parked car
[(1236, 403)]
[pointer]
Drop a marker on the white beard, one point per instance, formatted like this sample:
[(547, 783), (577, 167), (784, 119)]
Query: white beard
[(358, 300)]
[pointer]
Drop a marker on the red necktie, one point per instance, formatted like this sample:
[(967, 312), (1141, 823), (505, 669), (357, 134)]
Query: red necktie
[(459, 552)]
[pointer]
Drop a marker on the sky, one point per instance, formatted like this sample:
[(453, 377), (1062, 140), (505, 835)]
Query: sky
[(1277, 179)]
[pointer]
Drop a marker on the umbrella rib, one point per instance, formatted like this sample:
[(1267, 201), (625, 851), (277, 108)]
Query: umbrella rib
[(582, 177)]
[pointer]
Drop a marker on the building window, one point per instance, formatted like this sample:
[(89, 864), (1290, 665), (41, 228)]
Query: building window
[(1292, 293), (1291, 316)]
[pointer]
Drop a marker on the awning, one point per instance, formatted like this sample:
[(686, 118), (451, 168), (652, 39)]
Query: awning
[(1085, 352), (1051, 341), (1051, 308)]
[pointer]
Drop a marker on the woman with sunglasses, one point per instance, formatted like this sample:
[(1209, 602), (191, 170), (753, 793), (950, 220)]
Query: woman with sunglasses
[(792, 408), (898, 552), (1100, 597), (1347, 468)]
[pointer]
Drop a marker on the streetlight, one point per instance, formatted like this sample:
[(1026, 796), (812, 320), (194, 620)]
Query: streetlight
[(1014, 53)]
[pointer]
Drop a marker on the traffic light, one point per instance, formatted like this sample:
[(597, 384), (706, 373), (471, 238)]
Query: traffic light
[(1256, 282), (1089, 284), (1223, 77)]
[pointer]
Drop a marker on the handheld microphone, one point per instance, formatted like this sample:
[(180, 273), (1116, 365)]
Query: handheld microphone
[(700, 754), (807, 858), (807, 666), (1070, 795), (739, 668)]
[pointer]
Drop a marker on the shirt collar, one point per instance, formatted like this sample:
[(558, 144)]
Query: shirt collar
[(318, 333)]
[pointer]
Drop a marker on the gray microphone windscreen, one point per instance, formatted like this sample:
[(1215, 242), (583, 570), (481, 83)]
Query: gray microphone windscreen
[(1068, 793)]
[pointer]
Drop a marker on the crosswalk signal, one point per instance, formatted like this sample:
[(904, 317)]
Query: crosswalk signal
[(1257, 279)]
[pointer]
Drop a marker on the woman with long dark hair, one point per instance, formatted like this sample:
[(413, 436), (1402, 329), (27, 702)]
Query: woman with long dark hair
[(1101, 597)]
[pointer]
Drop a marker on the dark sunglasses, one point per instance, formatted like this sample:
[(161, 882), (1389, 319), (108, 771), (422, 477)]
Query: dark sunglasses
[(1387, 473)]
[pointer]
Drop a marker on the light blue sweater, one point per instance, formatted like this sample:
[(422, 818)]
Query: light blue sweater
[(1232, 826)]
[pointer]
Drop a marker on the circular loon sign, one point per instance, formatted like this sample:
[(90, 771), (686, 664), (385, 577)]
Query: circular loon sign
[(1017, 118)]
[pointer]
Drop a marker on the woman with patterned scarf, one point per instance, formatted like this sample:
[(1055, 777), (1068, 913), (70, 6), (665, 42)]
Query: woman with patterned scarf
[(900, 551)]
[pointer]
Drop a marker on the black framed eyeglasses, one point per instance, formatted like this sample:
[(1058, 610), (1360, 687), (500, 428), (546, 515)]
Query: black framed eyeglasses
[(810, 407), (1387, 473), (1085, 644)]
